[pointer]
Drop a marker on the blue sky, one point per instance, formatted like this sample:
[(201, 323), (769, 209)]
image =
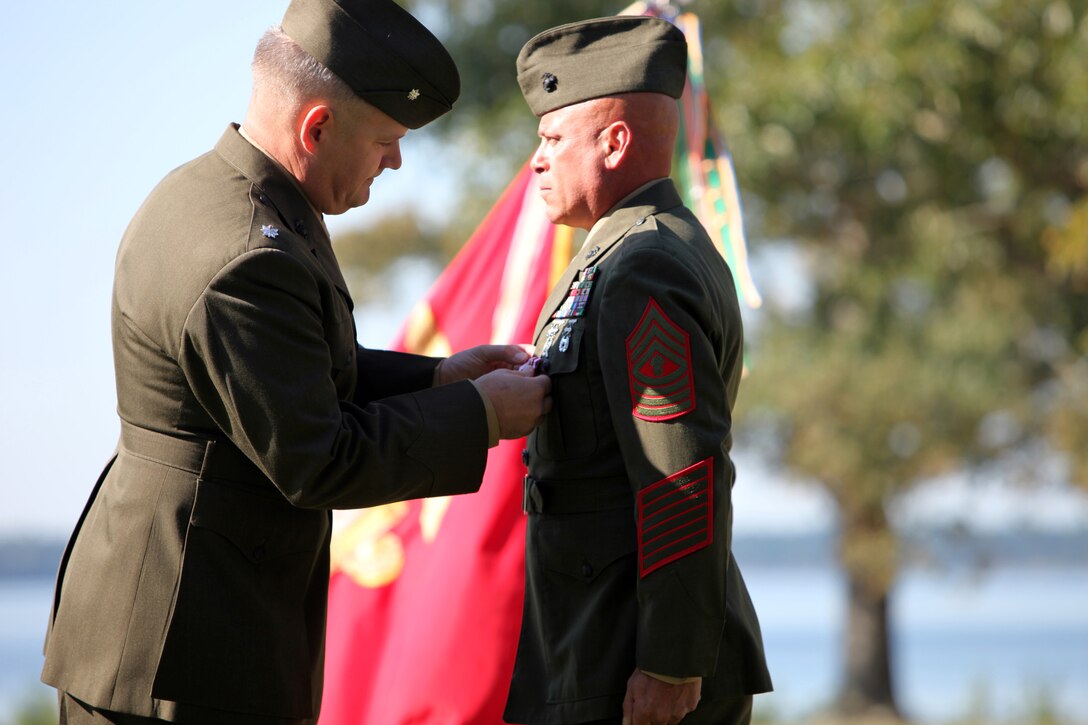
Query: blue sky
[(100, 101)]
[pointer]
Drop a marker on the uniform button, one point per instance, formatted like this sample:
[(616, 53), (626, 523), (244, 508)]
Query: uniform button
[(525, 456), (587, 569), (300, 227), (262, 198)]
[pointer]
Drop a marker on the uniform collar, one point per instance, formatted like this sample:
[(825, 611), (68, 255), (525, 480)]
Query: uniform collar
[(284, 194), (603, 221), (646, 200), (317, 215), (630, 213)]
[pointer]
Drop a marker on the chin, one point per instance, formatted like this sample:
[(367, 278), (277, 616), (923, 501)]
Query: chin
[(355, 203), (555, 216), (566, 220)]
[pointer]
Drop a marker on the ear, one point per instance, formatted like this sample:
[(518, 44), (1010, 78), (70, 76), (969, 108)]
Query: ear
[(314, 122), (615, 141)]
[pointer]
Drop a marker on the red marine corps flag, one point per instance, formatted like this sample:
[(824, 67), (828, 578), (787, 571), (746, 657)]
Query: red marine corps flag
[(425, 596)]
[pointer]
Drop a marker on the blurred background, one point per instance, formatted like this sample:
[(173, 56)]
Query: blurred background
[(912, 438)]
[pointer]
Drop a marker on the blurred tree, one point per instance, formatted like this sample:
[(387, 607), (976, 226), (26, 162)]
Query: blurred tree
[(365, 254), (37, 710), (930, 161)]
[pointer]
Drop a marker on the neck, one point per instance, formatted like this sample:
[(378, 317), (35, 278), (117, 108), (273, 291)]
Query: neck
[(277, 145), (621, 192), (262, 143)]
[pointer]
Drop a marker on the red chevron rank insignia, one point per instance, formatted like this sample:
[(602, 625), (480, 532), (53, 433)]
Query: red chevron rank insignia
[(659, 367), (675, 516)]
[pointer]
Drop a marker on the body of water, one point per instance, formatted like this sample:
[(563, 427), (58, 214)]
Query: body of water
[(24, 614), (993, 644)]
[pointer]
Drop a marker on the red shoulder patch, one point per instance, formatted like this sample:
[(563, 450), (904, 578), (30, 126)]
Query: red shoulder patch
[(675, 516), (659, 367)]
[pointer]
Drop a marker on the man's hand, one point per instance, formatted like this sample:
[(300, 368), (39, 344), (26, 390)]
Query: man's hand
[(520, 399), (476, 361), (650, 701)]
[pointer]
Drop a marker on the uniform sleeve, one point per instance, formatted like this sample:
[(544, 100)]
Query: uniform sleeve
[(256, 351), (383, 373), (660, 342)]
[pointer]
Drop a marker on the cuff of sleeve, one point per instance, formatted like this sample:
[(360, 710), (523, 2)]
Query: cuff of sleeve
[(671, 680), (492, 418)]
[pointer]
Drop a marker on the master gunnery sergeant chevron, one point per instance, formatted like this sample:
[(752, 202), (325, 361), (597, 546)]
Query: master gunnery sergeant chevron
[(194, 587), (635, 609)]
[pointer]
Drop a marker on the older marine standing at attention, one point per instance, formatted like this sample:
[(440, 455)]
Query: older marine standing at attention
[(194, 587), (634, 606)]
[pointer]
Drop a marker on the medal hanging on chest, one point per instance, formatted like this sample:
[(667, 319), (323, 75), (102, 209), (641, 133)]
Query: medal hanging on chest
[(572, 308)]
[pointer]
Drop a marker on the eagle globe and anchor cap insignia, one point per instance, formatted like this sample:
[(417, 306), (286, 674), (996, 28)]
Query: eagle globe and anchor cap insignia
[(659, 367)]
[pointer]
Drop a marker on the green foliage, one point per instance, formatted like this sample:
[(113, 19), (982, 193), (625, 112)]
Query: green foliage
[(365, 253), (931, 157), (36, 711)]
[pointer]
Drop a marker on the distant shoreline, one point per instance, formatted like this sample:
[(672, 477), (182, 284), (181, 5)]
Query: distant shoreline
[(26, 557), (30, 558)]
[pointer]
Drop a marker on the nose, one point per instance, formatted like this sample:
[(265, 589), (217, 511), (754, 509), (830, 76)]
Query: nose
[(537, 162), (392, 158)]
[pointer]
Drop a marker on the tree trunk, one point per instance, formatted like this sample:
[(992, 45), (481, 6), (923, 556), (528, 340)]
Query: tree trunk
[(867, 688)]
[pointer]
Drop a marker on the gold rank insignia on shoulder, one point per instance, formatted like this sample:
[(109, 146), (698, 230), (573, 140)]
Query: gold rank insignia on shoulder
[(413, 94), (270, 231)]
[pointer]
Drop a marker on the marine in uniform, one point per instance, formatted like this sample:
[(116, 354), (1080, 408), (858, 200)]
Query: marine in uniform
[(194, 586), (629, 569)]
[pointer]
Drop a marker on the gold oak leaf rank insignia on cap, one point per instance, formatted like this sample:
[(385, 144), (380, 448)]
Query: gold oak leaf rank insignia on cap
[(602, 57), (382, 52)]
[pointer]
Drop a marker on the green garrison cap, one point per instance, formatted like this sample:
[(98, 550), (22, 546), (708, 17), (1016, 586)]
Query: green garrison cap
[(388, 57), (602, 57)]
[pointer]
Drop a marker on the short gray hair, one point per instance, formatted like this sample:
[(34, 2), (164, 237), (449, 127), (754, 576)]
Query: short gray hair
[(281, 67)]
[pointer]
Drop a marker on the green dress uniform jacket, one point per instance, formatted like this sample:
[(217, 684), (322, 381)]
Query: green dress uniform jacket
[(194, 587), (628, 544)]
